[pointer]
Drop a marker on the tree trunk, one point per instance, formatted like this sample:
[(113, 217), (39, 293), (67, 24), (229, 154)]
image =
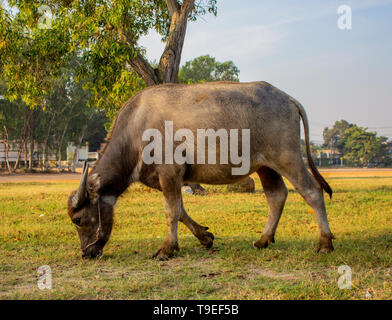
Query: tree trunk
[(169, 63), (30, 158), (43, 164), (58, 159), (7, 160), (25, 153), (31, 154), (75, 160), (25, 135), (18, 158), (61, 142), (59, 147), (7, 148), (45, 144), (31, 138)]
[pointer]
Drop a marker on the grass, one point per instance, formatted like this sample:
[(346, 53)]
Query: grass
[(36, 231)]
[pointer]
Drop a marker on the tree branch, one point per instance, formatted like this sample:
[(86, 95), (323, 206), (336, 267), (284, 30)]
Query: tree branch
[(144, 69), (140, 65)]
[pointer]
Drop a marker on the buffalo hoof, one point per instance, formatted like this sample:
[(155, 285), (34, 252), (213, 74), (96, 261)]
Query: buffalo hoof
[(165, 252), (206, 238), (325, 244), (264, 242)]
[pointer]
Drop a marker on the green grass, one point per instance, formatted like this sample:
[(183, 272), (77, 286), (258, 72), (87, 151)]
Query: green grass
[(360, 217)]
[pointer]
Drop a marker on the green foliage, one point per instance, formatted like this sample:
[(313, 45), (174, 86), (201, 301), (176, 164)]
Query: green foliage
[(360, 147), (13, 115), (334, 138), (363, 148), (206, 69), (30, 57), (103, 33)]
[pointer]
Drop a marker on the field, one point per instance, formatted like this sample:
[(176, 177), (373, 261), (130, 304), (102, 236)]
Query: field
[(35, 231)]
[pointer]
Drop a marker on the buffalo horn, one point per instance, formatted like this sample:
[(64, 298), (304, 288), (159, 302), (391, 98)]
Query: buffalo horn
[(80, 195)]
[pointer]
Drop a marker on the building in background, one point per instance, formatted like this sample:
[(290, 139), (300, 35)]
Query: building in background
[(329, 157), (77, 155)]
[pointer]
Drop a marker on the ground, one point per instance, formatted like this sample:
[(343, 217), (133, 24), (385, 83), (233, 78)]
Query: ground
[(36, 231)]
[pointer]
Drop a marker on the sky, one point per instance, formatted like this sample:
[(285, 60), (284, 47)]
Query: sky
[(296, 45)]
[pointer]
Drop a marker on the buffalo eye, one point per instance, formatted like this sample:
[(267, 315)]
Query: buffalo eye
[(76, 221)]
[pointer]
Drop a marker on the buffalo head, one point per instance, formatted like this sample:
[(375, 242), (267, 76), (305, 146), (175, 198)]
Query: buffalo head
[(91, 214)]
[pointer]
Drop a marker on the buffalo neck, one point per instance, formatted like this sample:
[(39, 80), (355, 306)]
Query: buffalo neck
[(115, 169)]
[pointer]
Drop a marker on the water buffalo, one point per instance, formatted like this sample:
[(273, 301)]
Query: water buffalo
[(272, 119)]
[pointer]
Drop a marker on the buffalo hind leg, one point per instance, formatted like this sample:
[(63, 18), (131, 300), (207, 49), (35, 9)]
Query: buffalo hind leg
[(276, 193), (171, 187), (206, 238), (311, 191)]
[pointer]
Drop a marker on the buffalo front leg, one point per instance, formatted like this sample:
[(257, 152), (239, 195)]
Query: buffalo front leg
[(171, 188), (206, 238), (276, 194)]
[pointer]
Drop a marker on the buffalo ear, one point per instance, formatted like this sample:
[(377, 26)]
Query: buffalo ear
[(81, 194), (93, 185)]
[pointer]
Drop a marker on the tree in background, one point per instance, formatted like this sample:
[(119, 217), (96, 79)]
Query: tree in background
[(65, 117), (206, 68), (359, 146), (16, 124), (70, 119), (38, 37), (363, 148), (334, 138)]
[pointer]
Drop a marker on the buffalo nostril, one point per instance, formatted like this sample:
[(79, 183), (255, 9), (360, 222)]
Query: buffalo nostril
[(76, 221)]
